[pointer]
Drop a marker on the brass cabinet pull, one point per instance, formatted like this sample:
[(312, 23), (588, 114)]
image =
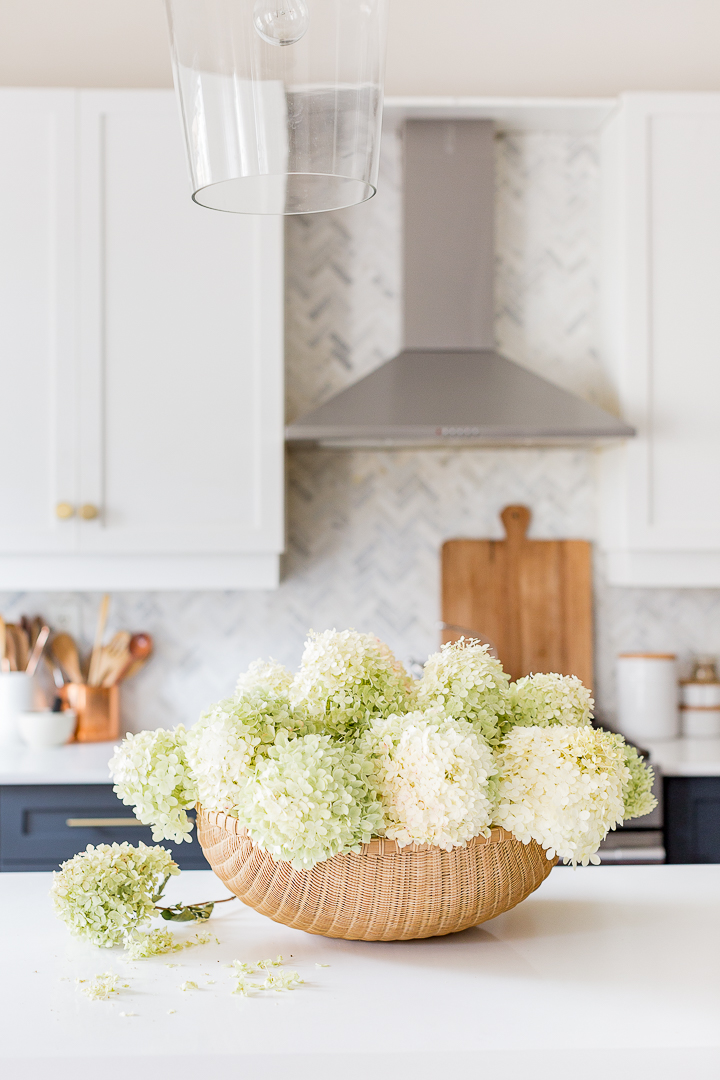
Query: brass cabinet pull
[(88, 512), (101, 822), (64, 510)]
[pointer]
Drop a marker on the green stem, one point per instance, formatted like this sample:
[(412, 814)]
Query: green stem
[(203, 904)]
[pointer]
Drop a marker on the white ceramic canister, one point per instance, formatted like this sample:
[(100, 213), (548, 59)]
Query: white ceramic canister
[(16, 694), (700, 710), (647, 688)]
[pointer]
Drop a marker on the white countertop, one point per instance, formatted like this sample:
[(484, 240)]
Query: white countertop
[(76, 763), (685, 757), (605, 971)]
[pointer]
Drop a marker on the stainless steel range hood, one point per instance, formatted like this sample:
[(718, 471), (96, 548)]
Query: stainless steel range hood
[(449, 386)]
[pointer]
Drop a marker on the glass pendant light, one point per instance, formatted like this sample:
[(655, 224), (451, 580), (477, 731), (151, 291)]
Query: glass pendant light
[(281, 101)]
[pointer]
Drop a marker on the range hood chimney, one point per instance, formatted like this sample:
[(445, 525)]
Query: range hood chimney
[(449, 386)]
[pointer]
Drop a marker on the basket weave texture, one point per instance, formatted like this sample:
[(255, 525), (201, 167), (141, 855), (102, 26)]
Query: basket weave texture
[(383, 893)]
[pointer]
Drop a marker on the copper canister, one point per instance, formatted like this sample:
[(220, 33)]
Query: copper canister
[(98, 711)]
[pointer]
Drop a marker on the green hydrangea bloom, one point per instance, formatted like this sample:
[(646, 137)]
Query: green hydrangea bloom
[(107, 892), (228, 740), (152, 775), (309, 799), (544, 699), (468, 684), (637, 791), (267, 675), (347, 678)]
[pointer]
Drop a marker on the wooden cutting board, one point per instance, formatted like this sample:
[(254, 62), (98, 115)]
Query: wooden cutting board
[(531, 598)]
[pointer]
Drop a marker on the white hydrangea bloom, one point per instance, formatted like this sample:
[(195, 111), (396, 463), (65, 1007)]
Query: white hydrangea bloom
[(310, 799), (223, 746), (346, 678), (152, 775), (106, 892), (468, 684), (435, 776), (563, 787), (540, 700), (637, 791), (267, 675)]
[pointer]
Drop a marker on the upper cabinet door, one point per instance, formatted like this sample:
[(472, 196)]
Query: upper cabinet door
[(661, 503), (180, 414), (37, 321)]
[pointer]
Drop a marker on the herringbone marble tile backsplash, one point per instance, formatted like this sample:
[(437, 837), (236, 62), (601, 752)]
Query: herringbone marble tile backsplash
[(365, 528)]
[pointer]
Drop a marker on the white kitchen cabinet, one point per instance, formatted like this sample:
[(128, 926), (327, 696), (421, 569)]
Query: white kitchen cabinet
[(660, 493), (153, 371)]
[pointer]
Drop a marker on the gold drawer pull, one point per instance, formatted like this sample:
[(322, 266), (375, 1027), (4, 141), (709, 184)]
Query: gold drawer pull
[(88, 512), (101, 822), (64, 510)]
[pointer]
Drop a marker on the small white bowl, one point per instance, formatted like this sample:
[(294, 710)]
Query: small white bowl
[(41, 730)]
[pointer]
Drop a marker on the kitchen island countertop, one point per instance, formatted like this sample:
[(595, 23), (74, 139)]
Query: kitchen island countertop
[(76, 763), (605, 971)]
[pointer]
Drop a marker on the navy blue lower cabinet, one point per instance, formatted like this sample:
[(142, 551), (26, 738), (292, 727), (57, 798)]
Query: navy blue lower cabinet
[(692, 819), (41, 825)]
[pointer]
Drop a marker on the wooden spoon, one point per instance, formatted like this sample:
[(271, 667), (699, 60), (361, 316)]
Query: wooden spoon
[(94, 669), (10, 654), (21, 645), (113, 658), (65, 651), (140, 649)]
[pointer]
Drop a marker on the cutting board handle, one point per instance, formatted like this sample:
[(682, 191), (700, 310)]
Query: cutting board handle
[(516, 520)]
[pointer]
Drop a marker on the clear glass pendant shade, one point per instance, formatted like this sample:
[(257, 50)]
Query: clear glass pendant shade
[(281, 101)]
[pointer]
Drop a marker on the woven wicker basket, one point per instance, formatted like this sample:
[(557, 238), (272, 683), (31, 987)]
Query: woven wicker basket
[(384, 893)]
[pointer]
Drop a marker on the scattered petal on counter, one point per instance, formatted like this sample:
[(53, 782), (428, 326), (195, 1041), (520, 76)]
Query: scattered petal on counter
[(101, 987), (244, 987), (143, 945), (171, 1011), (128, 1014), (322, 965), (265, 964), (241, 968), (283, 980), (189, 985)]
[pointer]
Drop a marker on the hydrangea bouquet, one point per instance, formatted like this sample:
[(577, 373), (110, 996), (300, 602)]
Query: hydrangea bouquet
[(352, 748)]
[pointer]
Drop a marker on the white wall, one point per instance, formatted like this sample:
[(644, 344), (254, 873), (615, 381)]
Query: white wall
[(534, 47)]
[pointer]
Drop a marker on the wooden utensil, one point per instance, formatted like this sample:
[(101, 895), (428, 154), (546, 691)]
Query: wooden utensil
[(65, 651), (93, 670), (37, 651), (135, 667), (114, 657), (140, 649), (531, 598), (4, 662), (36, 626), (10, 652), (21, 644)]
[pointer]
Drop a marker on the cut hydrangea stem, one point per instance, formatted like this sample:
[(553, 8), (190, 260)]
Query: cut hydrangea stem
[(190, 912)]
